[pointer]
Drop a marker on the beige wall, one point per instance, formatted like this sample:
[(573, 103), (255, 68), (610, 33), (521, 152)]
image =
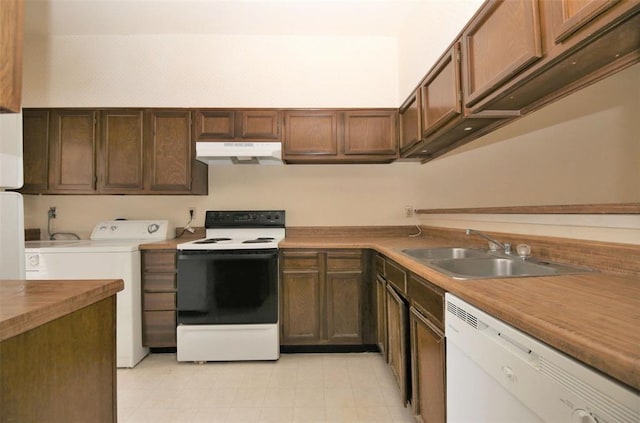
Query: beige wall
[(332, 195), (210, 71)]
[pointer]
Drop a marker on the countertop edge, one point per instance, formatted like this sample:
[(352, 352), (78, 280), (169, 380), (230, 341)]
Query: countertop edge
[(53, 309)]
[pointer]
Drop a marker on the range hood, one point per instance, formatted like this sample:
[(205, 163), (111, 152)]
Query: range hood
[(268, 153)]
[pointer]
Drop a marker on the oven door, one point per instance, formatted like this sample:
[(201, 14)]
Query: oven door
[(227, 287)]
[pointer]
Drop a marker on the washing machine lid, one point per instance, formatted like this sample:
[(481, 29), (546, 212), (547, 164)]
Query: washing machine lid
[(83, 246)]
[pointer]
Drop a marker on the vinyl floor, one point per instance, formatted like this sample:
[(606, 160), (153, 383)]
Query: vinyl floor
[(336, 388)]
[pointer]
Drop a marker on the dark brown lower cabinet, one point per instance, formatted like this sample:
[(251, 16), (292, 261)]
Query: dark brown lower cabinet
[(397, 341), (300, 293), (381, 315), (159, 298), (428, 369), (324, 298)]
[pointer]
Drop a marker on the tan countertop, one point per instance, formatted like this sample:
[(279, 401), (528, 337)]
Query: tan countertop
[(25, 305), (592, 317)]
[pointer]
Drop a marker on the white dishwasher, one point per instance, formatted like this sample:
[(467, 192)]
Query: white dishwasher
[(495, 373)]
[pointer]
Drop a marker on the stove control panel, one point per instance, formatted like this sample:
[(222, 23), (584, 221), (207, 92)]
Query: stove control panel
[(244, 219)]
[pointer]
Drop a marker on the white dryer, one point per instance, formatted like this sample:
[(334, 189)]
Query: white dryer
[(112, 252)]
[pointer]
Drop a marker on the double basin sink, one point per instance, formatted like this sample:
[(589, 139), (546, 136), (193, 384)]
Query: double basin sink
[(470, 263)]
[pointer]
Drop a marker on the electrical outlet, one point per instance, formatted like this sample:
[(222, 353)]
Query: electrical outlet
[(408, 211), (51, 214), (192, 212)]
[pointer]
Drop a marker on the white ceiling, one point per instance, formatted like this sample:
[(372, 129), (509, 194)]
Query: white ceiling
[(222, 17)]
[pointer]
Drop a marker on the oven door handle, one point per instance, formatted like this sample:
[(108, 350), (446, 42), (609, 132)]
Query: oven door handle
[(226, 256)]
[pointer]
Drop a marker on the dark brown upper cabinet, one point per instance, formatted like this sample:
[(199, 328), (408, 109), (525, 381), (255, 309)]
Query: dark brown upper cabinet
[(11, 19), (442, 92), (574, 14), (120, 159), (340, 136), (112, 151), (35, 136), (515, 57), (170, 153), (72, 151), (243, 125), (581, 42), (410, 124), (311, 133), (443, 121), (370, 132), (498, 43)]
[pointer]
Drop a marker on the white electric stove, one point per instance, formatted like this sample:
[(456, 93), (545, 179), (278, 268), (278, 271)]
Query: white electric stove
[(112, 252), (228, 288)]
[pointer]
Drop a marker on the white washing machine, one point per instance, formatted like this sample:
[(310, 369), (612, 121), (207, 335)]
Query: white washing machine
[(112, 252)]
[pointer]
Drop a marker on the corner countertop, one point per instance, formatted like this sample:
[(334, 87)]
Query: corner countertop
[(592, 317), (25, 305)]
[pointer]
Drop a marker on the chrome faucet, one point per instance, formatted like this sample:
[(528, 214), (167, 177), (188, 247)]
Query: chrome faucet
[(493, 243)]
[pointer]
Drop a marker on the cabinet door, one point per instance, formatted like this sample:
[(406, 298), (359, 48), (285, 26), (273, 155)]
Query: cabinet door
[(260, 125), (574, 14), (73, 151), (301, 311), (35, 136), (441, 92), (381, 316), (344, 308), (170, 151), (428, 370), (370, 132), (121, 151), (410, 125), (214, 125), (312, 133), (498, 43), (11, 23), (397, 340)]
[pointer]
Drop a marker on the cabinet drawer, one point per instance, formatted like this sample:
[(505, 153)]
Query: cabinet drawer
[(337, 262), (159, 261), (159, 329), (300, 261), (159, 282), (396, 276), (427, 298), (380, 265), (159, 301)]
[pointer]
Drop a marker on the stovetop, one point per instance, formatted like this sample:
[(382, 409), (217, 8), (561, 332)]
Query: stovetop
[(233, 230)]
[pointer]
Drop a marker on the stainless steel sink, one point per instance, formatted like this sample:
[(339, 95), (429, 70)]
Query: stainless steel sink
[(444, 253), (495, 267), (470, 263)]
